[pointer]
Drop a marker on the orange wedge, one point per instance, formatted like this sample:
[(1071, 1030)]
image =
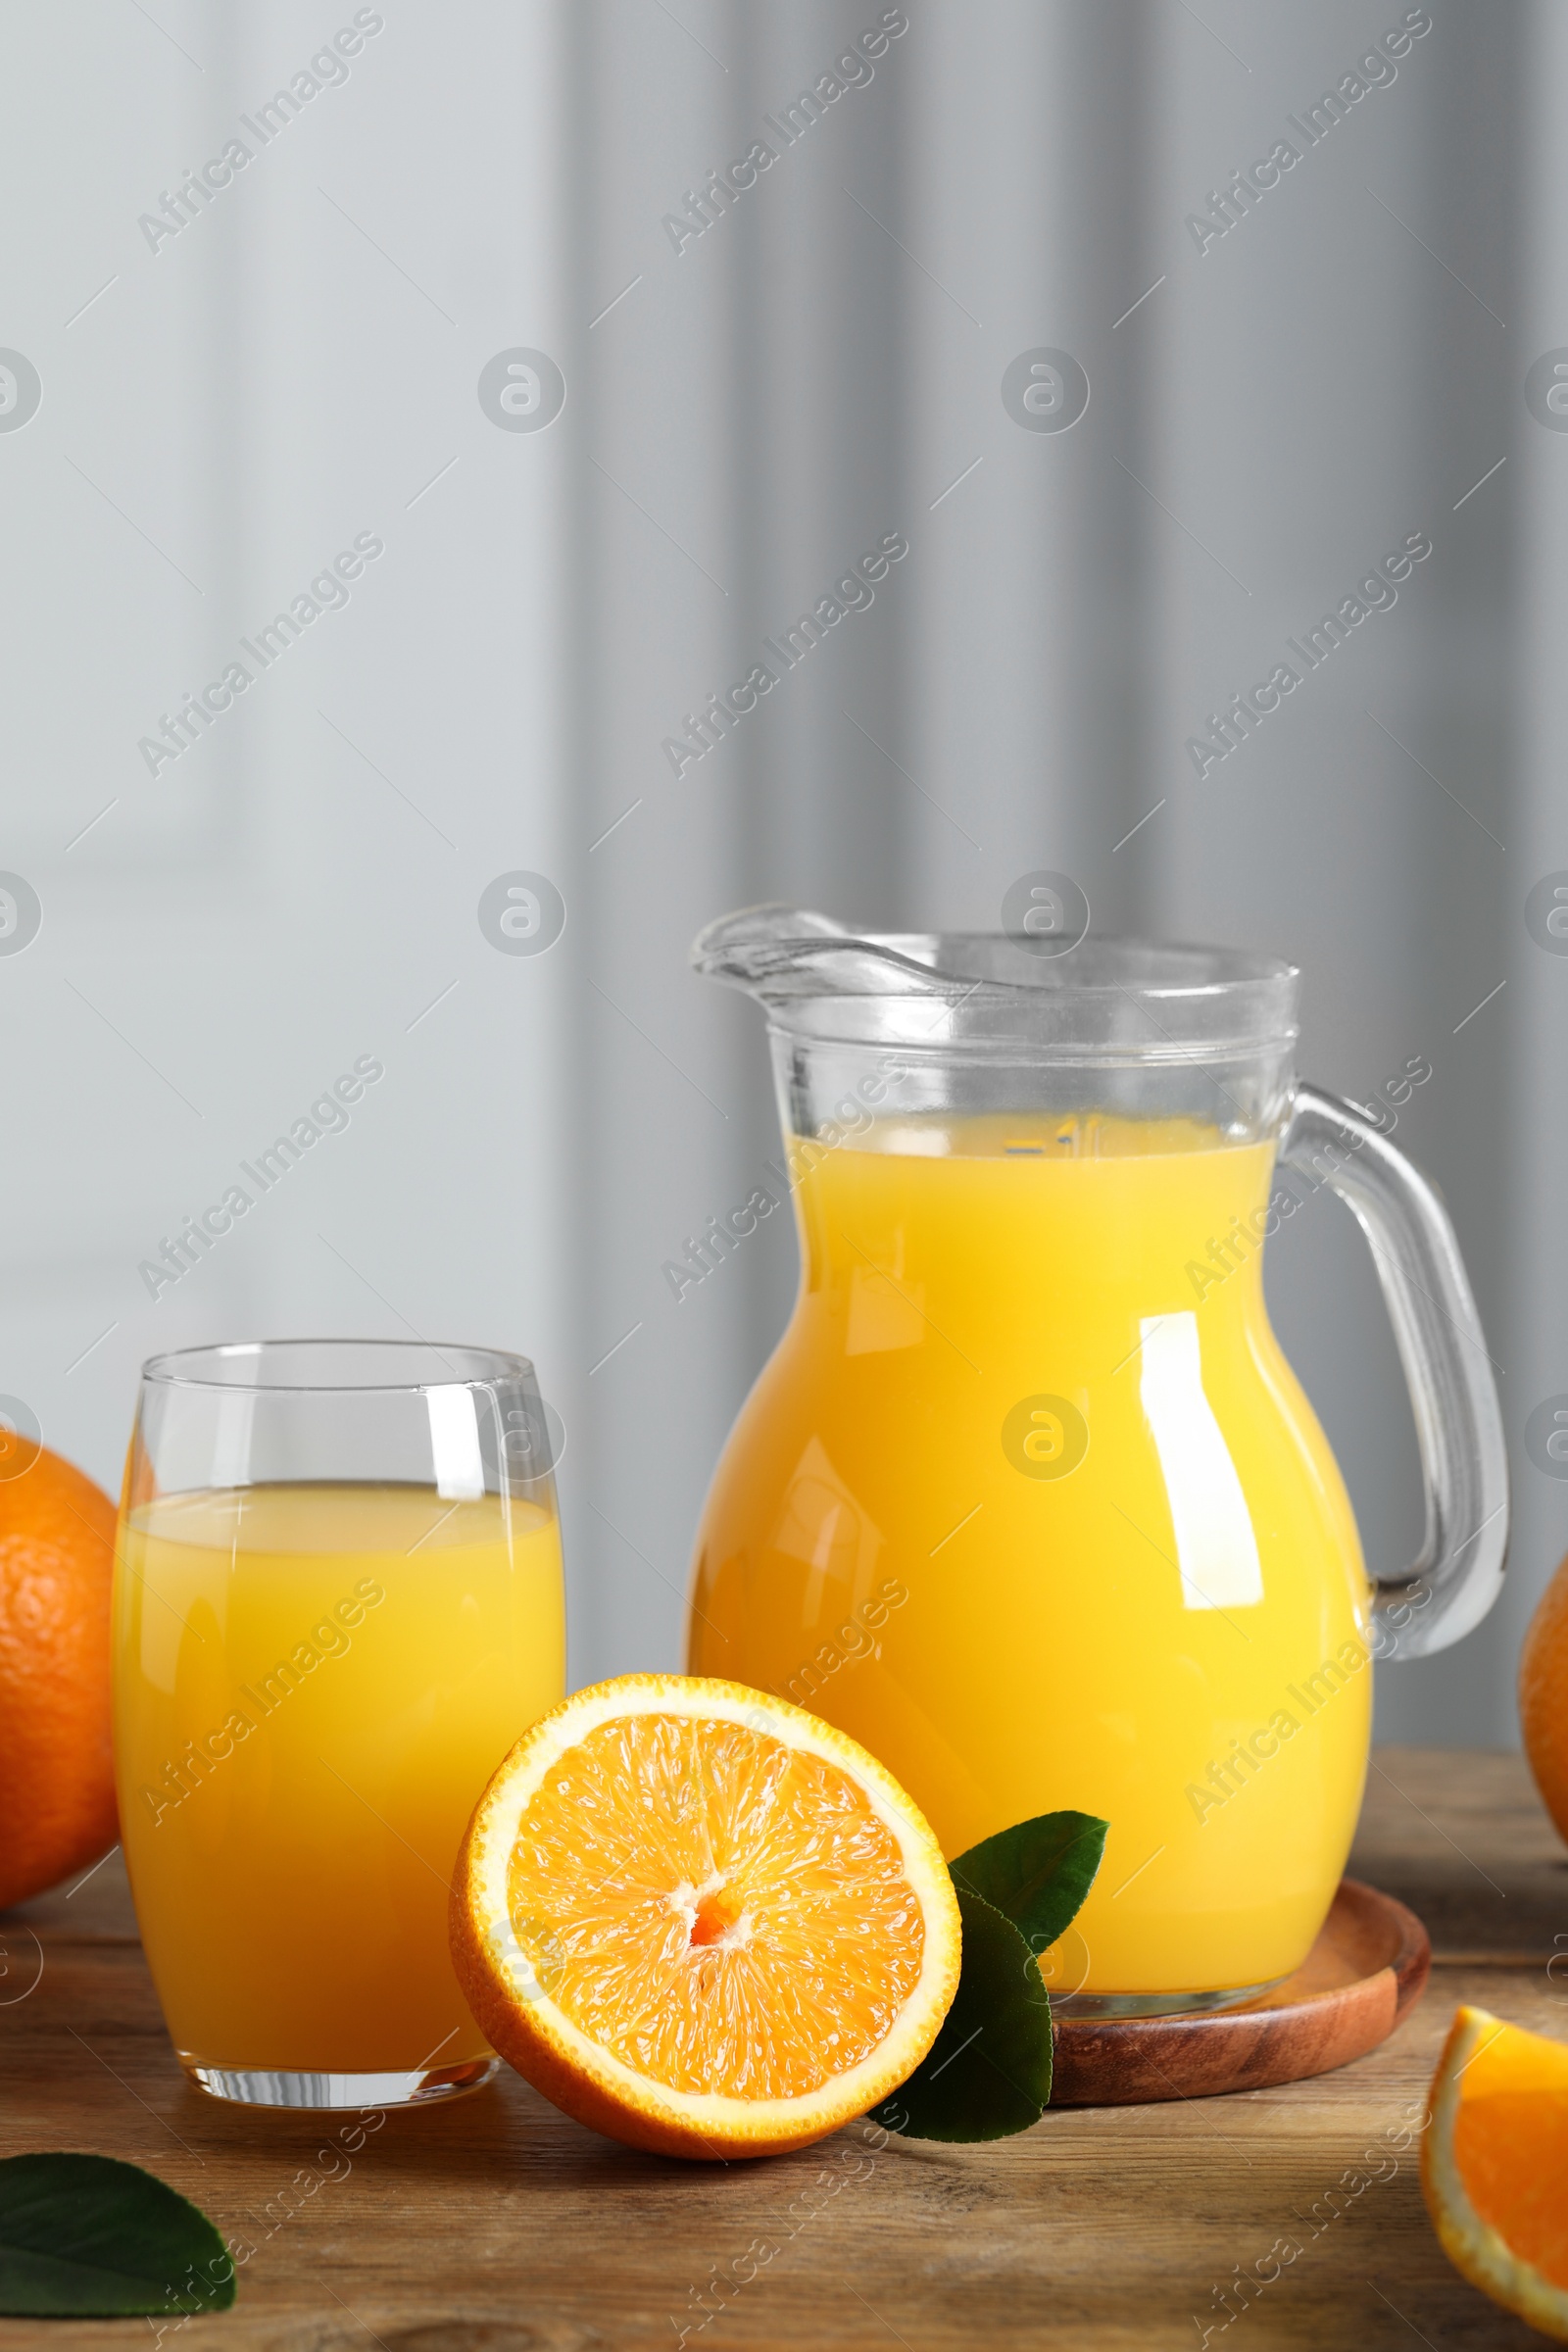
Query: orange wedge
[(701, 1920), (1495, 2165)]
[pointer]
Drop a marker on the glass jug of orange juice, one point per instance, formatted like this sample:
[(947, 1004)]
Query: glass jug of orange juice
[(1027, 1498)]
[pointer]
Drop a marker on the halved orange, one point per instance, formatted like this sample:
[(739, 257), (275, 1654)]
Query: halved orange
[(1495, 2165), (701, 1920)]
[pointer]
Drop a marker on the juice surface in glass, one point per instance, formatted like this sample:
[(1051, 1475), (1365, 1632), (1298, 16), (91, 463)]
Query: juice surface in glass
[(313, 1683), (1029, 1502)]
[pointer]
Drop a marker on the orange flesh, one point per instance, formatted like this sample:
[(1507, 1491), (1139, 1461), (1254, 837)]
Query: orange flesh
[(1510, 2143), (724, 1914)]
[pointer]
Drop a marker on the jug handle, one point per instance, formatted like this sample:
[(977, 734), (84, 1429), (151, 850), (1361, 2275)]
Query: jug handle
[(1458, 1421)]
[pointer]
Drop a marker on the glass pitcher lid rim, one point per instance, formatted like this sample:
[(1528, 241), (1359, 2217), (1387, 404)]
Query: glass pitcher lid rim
[(758, 944), (1193, 970), (224, 1364), (986, 992)]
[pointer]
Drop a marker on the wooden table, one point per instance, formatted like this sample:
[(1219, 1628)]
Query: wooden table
[(495, 2224)]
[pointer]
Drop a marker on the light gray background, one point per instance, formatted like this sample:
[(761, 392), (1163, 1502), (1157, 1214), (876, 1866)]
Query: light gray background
[(741, 418)]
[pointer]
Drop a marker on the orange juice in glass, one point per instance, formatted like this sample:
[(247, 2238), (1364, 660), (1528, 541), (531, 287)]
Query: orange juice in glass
[(338, 1601), (1028, 1498)]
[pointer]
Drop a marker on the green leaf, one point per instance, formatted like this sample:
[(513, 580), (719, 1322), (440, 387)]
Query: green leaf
[(988, 2073), (86, 2236), (1037, 1873)]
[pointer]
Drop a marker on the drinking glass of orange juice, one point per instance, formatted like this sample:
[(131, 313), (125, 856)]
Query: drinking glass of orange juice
[(338, 1602), (1027, 1498)]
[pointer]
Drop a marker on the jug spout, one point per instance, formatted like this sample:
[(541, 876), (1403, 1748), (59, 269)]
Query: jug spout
[(777, 953)]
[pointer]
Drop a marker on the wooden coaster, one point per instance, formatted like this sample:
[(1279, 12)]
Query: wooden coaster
[(1365, 1973)]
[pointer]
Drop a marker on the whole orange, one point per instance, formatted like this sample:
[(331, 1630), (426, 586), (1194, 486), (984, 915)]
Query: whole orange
[(1543, 1697), (57, 1781)]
